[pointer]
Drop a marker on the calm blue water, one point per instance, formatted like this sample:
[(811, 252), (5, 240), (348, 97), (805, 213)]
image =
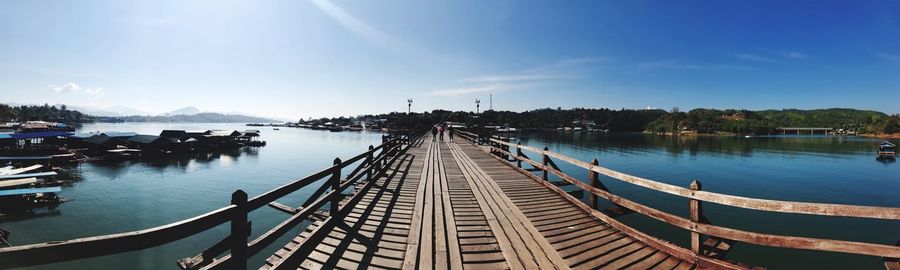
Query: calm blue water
[(825, 169), (140, 195)]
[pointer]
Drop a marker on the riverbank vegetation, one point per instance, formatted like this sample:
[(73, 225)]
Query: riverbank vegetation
[(46, 112), (712, 121), (61, 114)]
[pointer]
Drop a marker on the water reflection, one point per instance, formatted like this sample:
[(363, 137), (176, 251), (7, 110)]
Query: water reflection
[(73, 174), (637, 144)]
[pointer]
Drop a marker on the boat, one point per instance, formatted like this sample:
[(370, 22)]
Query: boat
[(122, 154), (26, 175), (887, 150), (275, 129), (9, 170), (18, 182), (24, 198)]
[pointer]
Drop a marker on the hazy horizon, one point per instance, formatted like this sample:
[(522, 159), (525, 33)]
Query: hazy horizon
[(293, 59)]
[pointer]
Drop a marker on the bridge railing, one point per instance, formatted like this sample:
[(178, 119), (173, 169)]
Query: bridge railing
[(696, 224), (374, 164)]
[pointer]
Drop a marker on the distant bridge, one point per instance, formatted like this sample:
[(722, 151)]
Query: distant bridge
[(798, 130)]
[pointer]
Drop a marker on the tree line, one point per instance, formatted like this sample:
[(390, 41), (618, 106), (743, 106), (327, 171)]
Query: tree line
[(767, 121), (46, 112)]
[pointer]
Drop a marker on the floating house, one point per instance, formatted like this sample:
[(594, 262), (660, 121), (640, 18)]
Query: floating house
[(101, 143), (887, 149), (177, 135), (119, 134), (151, 144)]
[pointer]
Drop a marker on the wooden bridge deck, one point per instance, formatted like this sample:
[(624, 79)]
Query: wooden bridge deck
[(452, 206)]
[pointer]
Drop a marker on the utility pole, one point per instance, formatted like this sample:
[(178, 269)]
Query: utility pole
[(477, 105), (409, 106), (492, 102)]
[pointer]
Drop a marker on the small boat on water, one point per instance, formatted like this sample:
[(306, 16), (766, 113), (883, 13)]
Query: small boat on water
[(9, 170), (887, 150)]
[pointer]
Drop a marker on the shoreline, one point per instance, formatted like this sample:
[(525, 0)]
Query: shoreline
[(882, 136)]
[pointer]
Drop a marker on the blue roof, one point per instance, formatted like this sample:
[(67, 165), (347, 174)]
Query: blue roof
[(82, 135), (118, 134), (40, 134), (5, 135), (26, 191)]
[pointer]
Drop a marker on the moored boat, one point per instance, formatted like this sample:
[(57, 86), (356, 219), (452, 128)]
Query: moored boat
[(887, 150)]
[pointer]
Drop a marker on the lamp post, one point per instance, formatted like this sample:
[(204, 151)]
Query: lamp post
[(477, 105), (409, 106)]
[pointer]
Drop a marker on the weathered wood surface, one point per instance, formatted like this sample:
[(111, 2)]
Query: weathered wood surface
[(373, 234), (729, 233), (455, 207), (730, 200), (582, 240)]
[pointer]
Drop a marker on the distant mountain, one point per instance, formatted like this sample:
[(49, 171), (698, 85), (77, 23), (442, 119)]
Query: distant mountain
[(190, 110), (194, 118), (108, 111)]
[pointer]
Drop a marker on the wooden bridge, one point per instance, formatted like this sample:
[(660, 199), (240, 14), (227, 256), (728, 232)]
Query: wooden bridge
[(416, 202)]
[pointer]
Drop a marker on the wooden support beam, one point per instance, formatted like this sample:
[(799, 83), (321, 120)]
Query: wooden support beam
[(283, 208), (546, 161), (594, 177), (239, 231), (695, 217), (335, 181)]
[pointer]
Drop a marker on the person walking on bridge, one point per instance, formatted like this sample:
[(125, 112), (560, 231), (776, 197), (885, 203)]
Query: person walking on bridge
[(450, 132), (434, 132), (441, 132)]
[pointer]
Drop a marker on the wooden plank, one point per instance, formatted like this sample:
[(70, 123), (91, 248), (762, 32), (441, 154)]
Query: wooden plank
[(649, 262), (630, 258), (455, 258), (411, 259), (657, 243), (544, 253), (505, 243), (440, 231)]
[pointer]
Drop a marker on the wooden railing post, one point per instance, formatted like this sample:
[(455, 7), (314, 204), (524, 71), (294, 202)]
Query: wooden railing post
[(696, 213), (546, 162), (369, 163), (595, 182), (240, 231), (335, 185), (519, 154)]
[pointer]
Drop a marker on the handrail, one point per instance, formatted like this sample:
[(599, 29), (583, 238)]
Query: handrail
[(58, 251), (697, 227), (823, 209)]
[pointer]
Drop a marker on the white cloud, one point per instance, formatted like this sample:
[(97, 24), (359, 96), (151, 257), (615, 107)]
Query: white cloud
[(674, 64), (668, 65), (512, 78), (74, 87), (67, 87), (754, 58), (793, 55), (96, 92), (364, 30), (466, 90), (891, 57)]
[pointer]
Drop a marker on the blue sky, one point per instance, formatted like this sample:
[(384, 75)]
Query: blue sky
[(326, 58)]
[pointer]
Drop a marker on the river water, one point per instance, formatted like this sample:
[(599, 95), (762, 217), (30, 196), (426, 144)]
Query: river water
[(112, 198)]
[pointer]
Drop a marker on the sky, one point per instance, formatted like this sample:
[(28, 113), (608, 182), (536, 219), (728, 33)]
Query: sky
[(300, 59)]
